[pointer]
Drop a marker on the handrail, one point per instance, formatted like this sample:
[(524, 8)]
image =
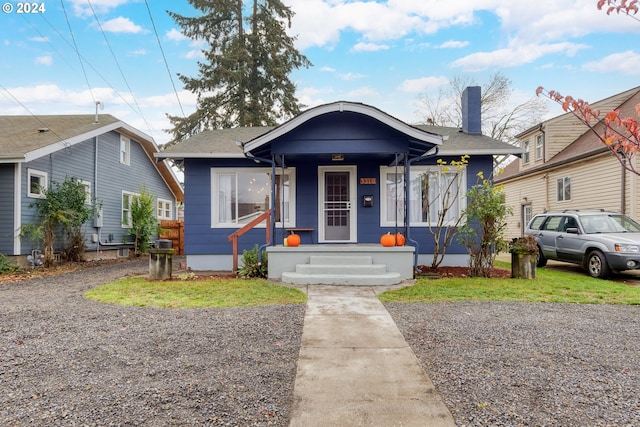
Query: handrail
[(233, 237)]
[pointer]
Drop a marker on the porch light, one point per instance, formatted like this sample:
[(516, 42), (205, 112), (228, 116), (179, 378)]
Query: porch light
[(337, 157)]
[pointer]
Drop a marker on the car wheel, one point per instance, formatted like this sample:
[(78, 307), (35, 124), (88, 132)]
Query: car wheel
[(541, 260), (597, 265)]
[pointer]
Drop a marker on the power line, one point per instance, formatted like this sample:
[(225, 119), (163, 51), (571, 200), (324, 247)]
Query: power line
[(153, 24), (75, 45), (118, 64)]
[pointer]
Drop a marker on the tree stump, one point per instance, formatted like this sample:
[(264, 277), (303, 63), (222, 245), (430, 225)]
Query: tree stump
[(523, 266)]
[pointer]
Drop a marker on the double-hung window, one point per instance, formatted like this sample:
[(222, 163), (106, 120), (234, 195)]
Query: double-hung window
[(127, 202), (434, 191), (241, 195), (563, 186), (539, 146), (526, 155), (125, 150)]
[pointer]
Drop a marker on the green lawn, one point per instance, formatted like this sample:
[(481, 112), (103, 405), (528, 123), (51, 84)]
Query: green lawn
[(548, 286), (219, 292)]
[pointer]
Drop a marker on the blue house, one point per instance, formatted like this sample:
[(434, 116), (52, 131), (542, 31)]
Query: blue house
[(112, 159), (340, 171)]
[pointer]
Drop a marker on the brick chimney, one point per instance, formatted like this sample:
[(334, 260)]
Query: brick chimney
[(471, 116)]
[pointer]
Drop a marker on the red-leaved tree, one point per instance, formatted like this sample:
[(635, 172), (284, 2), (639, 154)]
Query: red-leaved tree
[(618, 132), (628, 7), (621, 135)]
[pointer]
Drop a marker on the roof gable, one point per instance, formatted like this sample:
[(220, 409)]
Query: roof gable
[(26, 138), (418, 136)]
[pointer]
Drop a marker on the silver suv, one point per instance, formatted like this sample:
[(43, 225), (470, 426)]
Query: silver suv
[(600, 241)]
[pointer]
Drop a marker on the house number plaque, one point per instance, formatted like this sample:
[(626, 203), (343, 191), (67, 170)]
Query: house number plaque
[(367, 181)]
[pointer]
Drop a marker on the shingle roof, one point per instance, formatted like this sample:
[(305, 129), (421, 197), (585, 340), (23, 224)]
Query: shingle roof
[(24, 138)]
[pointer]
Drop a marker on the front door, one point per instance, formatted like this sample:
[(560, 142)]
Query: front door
[(337, 204)]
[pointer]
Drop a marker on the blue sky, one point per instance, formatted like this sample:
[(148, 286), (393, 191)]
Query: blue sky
[(383, 53)]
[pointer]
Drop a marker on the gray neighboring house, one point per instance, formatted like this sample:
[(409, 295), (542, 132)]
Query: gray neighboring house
[(111, 158)]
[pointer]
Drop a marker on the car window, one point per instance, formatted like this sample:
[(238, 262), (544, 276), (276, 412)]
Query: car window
[(536, 222), (552, 224), (568, 222), (625, 223)]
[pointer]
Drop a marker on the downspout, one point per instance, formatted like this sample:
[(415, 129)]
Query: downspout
[(623, 189), (407, 197), (272, 201)]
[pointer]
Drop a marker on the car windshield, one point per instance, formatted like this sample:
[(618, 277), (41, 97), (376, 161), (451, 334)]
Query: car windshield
[(609, 223)]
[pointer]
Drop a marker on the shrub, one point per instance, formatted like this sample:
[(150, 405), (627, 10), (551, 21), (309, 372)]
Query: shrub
[(250, 266), (6, 267)]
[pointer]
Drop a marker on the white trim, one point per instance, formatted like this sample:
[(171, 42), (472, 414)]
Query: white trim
[(43, 176), (68, 142), (215, 172), (384, 170), (128, 225), (165, 203), (17, 209), (88, 192), (127, 150), (353, 199), (340, 106)]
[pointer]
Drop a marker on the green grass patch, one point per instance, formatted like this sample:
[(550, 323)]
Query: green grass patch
[(218, 292), (548, 286)]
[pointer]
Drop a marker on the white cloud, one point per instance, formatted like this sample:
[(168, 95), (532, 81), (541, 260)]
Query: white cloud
[(625, 62), (362, 93), (83, 8), (44, 60), (122, 25), (453, 44), (139, 52), (175, 35), (326, 69), (514, 56), (352, 76), (369, 47), (422, 84), (39, 39)]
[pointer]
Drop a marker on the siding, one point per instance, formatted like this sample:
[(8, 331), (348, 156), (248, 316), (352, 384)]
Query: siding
[(112, 178), (202, 239), (595, 184), (7, 172)]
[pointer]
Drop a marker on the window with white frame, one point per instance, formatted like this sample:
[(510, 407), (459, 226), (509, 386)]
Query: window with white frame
[(527, 214), (240, 195), (125, 150), (563, 186), (525, 155), (539, 146), (88, 197), (127, 201), (164, 209), (432, 190), (37, 182)]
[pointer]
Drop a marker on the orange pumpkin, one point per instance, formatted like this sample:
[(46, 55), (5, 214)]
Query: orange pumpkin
[(293, 239), (400, 240), (388, 240)]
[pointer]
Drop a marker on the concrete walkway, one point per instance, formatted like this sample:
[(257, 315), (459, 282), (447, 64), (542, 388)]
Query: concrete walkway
[(356, 369)]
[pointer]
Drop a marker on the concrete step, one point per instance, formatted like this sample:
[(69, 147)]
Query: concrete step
[(341, 268), (339, 260), (384, 279)]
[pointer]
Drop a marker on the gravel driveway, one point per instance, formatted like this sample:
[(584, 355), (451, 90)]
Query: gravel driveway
[(67, 361)]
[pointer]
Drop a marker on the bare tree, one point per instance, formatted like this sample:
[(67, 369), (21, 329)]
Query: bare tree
[(500, 120)]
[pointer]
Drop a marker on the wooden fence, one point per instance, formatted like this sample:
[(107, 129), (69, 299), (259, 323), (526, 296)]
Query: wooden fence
[(173, 230)]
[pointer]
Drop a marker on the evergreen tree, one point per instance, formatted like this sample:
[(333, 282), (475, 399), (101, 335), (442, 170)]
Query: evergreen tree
[(243, 80)]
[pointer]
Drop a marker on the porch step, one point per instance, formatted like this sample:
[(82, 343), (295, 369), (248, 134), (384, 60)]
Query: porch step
[(341, 270)]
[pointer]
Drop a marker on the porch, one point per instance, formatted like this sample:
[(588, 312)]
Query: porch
[(341, 264)]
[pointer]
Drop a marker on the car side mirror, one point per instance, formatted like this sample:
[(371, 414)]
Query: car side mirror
[(572, 230)]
